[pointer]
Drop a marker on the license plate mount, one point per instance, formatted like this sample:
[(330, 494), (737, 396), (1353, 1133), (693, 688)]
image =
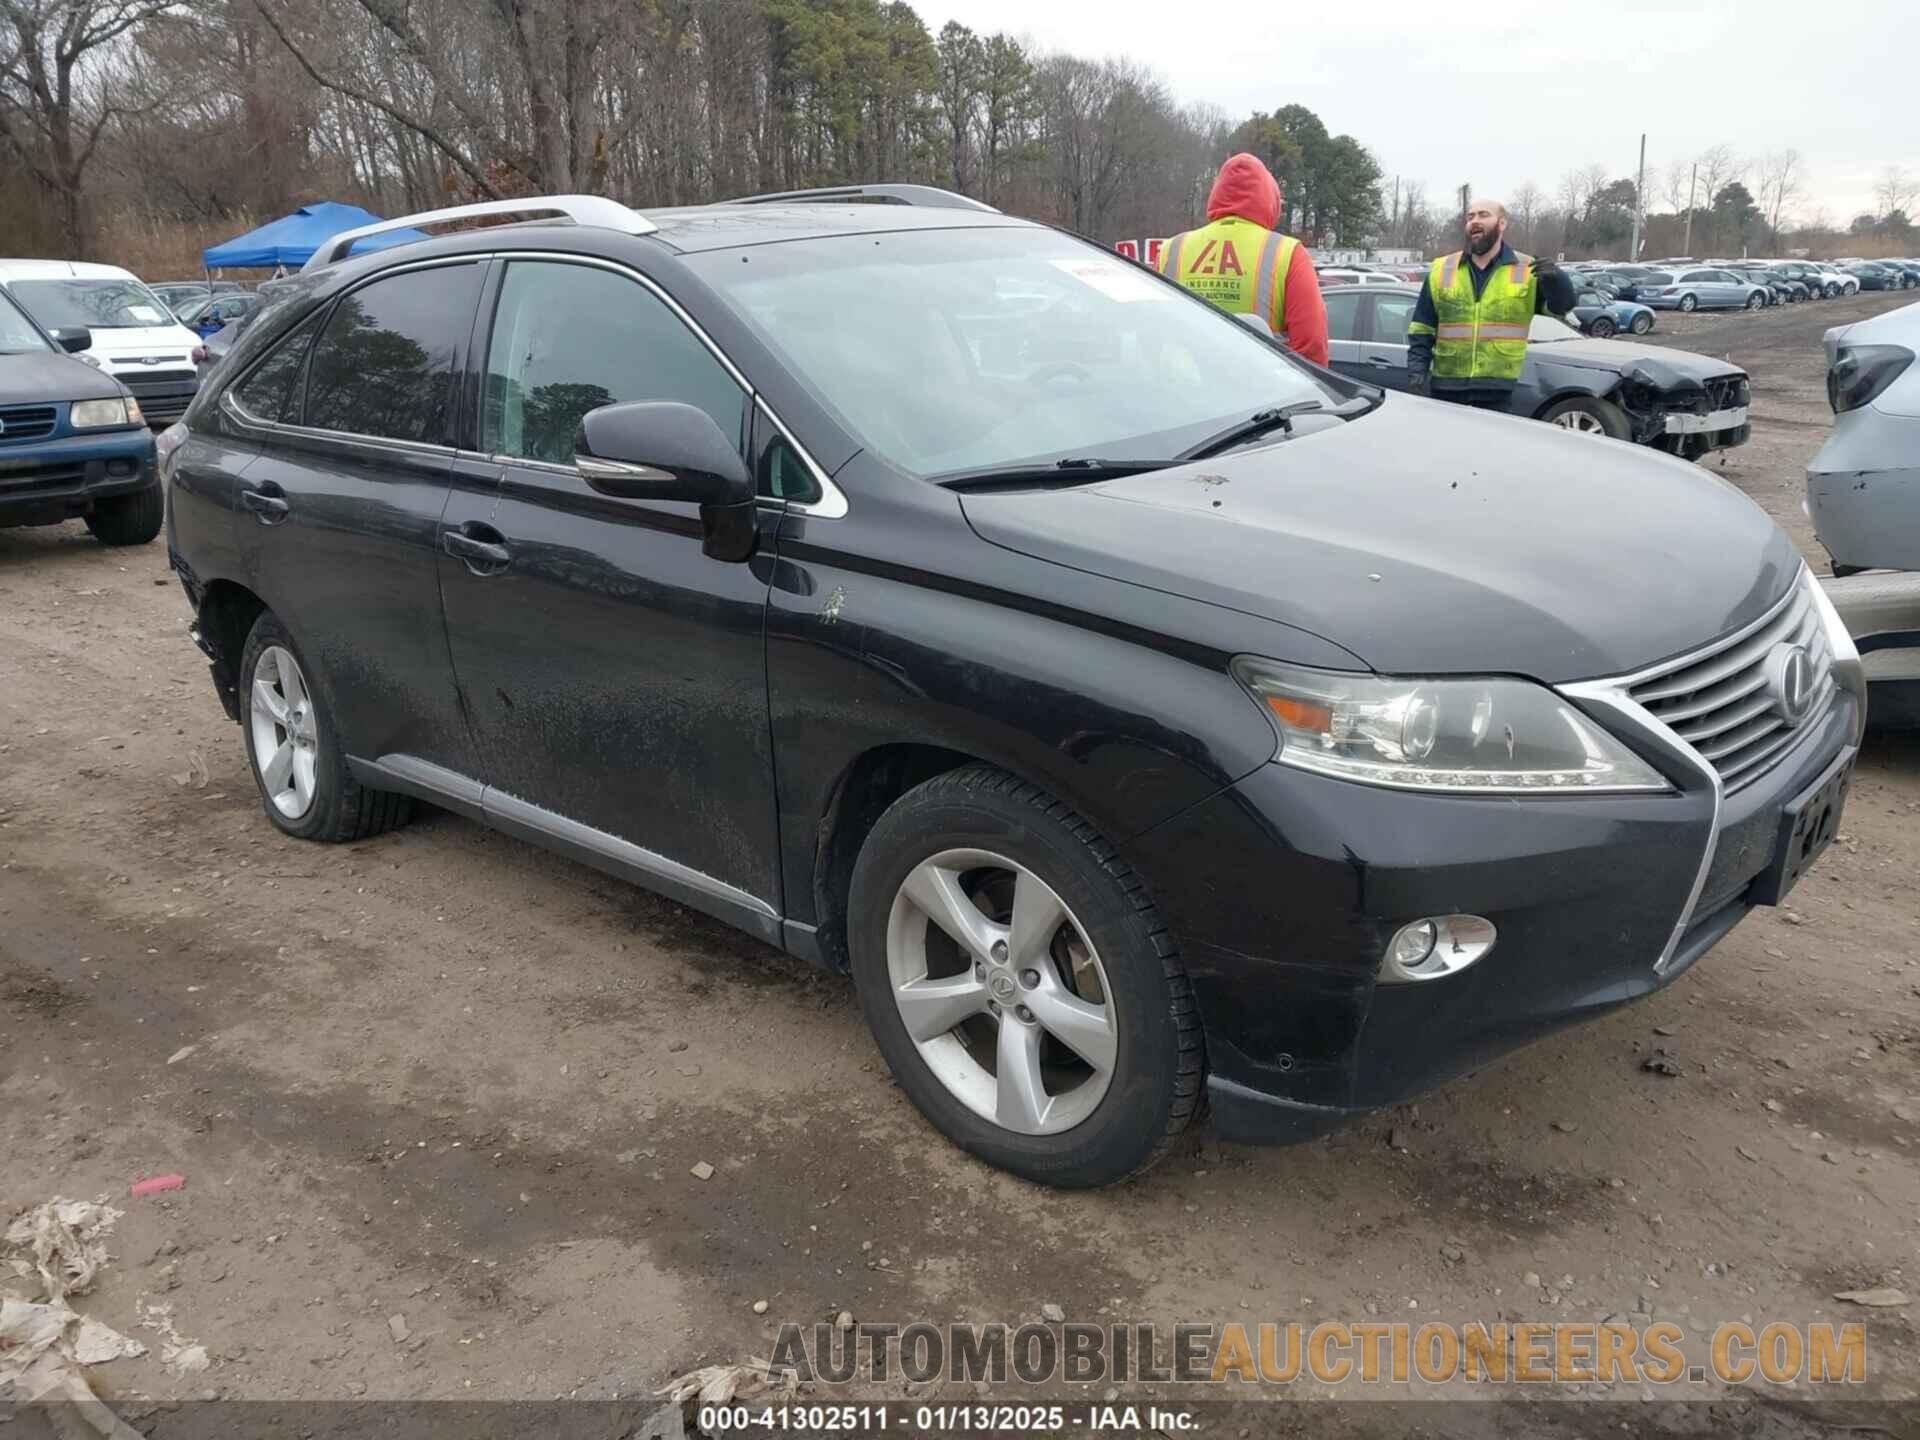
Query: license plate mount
[(1807, 827)]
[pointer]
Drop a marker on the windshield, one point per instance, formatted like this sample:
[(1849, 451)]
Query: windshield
[(96, 304), (16, 331), (1546, 330), (960, 350)]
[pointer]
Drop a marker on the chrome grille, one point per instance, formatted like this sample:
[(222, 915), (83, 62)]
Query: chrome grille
[(1718, 699)]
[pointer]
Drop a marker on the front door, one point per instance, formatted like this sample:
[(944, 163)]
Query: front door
[(341, 506), (615, 674)]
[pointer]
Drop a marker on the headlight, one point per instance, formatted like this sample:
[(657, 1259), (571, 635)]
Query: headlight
[(1474, 736), (93, 414)]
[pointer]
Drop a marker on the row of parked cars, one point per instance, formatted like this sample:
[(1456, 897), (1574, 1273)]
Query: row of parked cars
[(1624, 297), (92, 361)]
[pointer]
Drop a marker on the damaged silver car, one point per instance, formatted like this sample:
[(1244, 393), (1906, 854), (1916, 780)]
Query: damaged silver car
[(1685, 404)]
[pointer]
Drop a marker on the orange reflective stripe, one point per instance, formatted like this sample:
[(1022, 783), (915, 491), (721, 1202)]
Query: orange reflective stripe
[(1489, 331), (1520, 263), (1455, 331), (1450, 269)]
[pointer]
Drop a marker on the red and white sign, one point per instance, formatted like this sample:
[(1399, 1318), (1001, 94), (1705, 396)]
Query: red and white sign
[(1127, 249), (1154, 247)]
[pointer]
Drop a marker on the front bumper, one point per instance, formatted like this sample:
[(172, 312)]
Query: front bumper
[(1285, 889), (47, 481)]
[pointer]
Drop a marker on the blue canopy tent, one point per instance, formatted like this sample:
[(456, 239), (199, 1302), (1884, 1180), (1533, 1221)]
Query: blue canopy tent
[(292, 239)]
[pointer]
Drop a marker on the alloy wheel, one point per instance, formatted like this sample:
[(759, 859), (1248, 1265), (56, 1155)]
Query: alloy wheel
[(286, 739), (1002, 992), (1579, 420)]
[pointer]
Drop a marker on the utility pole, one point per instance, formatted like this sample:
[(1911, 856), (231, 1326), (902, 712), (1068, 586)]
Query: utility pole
[(1466, 196), (1639, 202), (1686, 245)]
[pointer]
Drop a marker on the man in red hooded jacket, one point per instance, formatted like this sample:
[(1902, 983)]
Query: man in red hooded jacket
[(1246, 267)]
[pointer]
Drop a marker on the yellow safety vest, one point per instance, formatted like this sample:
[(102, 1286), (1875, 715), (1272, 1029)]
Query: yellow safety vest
[(1238, 265), (1484, 338)]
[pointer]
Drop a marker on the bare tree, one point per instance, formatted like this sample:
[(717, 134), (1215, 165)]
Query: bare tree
[(1778, 182), (1676, 187), (1719, 168), (60, 90), (1895, 191), (1524, 209)]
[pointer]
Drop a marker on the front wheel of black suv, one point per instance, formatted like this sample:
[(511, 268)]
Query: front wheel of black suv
[(129, 519), (1021, 983), (298, 765)]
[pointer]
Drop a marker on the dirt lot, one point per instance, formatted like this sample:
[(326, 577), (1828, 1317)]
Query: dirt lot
[(447, 1077)]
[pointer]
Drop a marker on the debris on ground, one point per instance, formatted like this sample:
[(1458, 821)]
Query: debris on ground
[(1883, 1297), (722, 1384), (182, 1053), (54, 1251), (157, 1184), (701, 1171), (397, 1327), (1052, 1313), (1662, 1062), (178, 1354)]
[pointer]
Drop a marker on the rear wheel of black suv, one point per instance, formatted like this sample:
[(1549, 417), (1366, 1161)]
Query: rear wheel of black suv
[(129, 519), (305, 786), (1021, 983)]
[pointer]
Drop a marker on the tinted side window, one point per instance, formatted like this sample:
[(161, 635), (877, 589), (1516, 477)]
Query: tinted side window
[(1343, 314), (386, 364), (1390, 316), (570, 338), (270, 391)]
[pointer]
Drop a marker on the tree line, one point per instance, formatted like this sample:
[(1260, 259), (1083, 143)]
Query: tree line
[(199, 110)]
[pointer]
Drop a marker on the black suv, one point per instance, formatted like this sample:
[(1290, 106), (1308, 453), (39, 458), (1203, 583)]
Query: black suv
[(1144, 716)]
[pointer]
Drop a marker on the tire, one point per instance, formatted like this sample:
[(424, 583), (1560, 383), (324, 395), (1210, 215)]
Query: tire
[(1756, 302), (978, 837), (129, 519), (1688, 304), (320, 799), (1589, 415), (1602, 327), (1642, 324)]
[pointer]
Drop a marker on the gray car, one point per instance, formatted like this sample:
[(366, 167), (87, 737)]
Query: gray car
[(1704, 288), (1676, 401)]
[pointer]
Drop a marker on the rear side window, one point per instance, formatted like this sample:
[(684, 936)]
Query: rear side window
[(271, 392), (1343, 315), (387, 363), (570, 338), (1391, 316)]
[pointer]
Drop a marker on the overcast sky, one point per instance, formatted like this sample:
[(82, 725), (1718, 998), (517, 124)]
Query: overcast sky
[(1495, 95)]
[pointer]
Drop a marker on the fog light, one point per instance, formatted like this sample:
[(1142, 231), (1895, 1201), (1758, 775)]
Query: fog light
[(1438, 946)]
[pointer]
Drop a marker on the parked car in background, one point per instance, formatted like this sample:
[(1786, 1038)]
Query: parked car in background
[(1679, 402), (1803, 273), (1863, 495), (1628, 280), (1875, 277), (1836, 280), (1906, 271), (1782, 289), (180, 293), (213, 313), (1703, 288), (1152, 723), (134, 337), (1598, 314), (73, 444), (1348, 275)]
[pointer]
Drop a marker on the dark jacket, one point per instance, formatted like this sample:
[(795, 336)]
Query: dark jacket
[(1554, 294)]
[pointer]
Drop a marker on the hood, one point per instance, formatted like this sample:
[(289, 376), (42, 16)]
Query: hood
[(169, 339), (1432, 539), (1667, 366), (41, 377), (1246, 188)]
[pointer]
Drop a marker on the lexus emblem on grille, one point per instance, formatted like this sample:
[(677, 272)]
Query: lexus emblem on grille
[(1790, 681)]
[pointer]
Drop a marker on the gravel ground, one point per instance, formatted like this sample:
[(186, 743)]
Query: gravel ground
[(447, 1077)]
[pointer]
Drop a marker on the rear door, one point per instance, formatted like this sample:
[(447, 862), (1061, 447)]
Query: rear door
[(1384, 350), (1344, 306), (340, 511), (615, 673)]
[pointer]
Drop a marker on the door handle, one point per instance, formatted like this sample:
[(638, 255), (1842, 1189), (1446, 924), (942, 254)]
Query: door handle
[(477, 553), (268, 506), (1382, 362)]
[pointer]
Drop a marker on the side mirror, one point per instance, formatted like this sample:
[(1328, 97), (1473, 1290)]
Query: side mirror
[(663, 450), (72, 338)]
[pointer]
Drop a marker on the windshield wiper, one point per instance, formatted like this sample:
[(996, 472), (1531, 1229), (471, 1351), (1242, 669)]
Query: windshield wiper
[(1278, 417), (1076, 470)]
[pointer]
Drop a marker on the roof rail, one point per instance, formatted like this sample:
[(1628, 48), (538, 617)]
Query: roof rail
[(594, 210), (927, 195)]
